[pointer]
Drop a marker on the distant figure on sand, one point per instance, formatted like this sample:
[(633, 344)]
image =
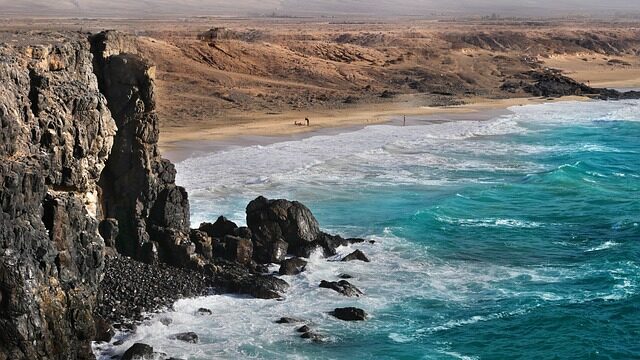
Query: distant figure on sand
[(307, 120), (404, 120)]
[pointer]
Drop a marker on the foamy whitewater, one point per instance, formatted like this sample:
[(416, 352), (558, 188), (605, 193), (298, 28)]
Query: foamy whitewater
[(516, 237)]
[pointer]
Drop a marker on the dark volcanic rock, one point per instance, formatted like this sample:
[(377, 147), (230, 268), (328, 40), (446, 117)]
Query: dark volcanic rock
[(356, 255), (138, 186), (551, 83), (237, 278), (203, 243), (293, 266), (345, 276), (313, 336), (138, 351), (303, 329), (189, 337), (282, 221), (349, 314), (204, 311), (288, 320), (55, 135), (343, 287), (238, 249), (221, 228), (104, 330), (109, 231), (130, 288)]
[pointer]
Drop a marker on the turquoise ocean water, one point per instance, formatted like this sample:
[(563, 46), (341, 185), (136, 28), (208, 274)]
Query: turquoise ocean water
[(514, 238)]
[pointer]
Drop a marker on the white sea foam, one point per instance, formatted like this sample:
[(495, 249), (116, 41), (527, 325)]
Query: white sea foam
[(490, 222), (380, 155), (573, 112), (604, 246)]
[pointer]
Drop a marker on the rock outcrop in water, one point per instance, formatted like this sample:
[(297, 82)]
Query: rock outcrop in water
[(282, 226)]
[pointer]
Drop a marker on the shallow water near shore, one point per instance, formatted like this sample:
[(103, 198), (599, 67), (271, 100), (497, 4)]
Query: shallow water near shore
[(517, 237)]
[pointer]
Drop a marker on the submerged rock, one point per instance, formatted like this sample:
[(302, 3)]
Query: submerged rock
[(356, 255), (189, 337), (138, 351), (303, 329), (293, 266), (288, 320), (349, 314), (343, 287), (204, 311), (313, 336)]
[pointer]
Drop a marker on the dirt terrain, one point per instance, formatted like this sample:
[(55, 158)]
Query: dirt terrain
[(230, 72)]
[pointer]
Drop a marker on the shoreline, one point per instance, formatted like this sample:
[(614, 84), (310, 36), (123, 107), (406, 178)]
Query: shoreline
[(180, 143)]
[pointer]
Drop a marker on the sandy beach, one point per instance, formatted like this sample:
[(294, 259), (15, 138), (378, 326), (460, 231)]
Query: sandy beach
[(178, 143)]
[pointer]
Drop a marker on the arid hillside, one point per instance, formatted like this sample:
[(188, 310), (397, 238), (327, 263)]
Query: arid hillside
[(252, 68), (214, 72)]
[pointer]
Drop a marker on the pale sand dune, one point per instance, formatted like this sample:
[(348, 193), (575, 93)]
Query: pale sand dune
[(598, 71)]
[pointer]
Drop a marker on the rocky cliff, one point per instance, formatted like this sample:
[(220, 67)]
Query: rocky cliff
[(57, 133), (77, 148), (83, 188), (138, 186)]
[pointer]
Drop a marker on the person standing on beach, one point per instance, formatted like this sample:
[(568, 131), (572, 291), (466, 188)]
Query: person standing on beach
[(307, 120)]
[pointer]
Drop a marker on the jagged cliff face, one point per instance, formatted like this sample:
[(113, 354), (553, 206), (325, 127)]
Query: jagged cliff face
[(138, 185), (78, 145), (56, 136)]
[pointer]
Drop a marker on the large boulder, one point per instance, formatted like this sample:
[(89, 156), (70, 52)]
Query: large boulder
[(288, 221), (293, 266), (138, 351), (349, 314), (274, 223)]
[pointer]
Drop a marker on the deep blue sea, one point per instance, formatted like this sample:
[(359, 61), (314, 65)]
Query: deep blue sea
[(513, 238)]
